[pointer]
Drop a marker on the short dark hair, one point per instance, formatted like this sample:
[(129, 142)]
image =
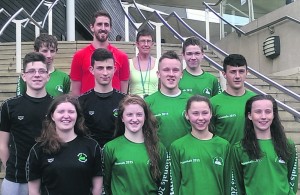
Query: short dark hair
[(45, 40), (33, 57), (143, 32), (169, 55), (98, 14), (191, 41), (236, 60), (101, 54)]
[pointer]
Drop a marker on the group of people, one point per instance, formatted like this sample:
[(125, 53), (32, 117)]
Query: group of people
[(140, 126)]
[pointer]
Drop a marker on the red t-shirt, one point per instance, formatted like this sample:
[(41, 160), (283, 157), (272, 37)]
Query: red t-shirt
[(82, 61)]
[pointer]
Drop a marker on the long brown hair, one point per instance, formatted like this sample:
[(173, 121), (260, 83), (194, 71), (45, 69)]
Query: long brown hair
[(49, 139), (149, 130)]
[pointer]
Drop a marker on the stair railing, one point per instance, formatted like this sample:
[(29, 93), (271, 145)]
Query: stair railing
[(294, 112)]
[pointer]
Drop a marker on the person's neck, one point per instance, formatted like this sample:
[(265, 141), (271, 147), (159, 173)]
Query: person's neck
[(143, 56), (170, 92), (103, 88), (66, 136), (50, 68), (36, 93), (137, 137), (97, 44), (264, 135), (202, 135), (234, 92), (197, 71)]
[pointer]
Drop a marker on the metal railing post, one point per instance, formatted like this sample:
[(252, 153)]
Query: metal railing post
[(50, 21), (19, 44), (158, 37)]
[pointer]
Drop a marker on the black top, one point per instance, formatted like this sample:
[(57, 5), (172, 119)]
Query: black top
[(68, 172), (100, 112), (22, 117)]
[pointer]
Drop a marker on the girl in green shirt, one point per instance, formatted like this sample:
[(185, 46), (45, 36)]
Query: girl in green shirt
[(133, 163), (199, 159), (264, 161)]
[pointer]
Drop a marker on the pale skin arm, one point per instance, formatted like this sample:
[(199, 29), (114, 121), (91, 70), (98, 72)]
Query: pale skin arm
[(124, 86), (75, 88), (4, 151), (34, 187), (97, 185)]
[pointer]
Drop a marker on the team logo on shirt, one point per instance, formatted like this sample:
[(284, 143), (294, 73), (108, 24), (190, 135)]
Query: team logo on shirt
[(20, 117), (82, 157), (91, 112), (206, 91), (218, 161), (50, 160), (59, 88), (115, 112), (279, 160)]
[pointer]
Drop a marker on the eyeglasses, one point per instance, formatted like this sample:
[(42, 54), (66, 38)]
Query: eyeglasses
[(146, 41), (34, 71)]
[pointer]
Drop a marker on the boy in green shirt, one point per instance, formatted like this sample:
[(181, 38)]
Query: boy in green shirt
[(59, 82), (195, 80), (229, 106)]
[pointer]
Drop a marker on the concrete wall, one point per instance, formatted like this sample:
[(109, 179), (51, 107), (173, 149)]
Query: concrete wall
[(251, 46)]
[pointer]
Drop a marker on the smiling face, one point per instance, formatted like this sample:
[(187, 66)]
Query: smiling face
[(261, 115), (133, 118), (144, 44), (199, 115), (101, 28), (64, 117), (169, 73), (193, 56), (35, 75)]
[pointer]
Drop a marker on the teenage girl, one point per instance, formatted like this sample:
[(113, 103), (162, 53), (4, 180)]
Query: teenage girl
[(133, 163), (264, 161), (199, 159)]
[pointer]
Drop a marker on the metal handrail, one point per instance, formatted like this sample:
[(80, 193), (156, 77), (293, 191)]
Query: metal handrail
[(236, 9), (252, 71), (50, 8), (15, 15), (240, 31), (128, 17), (5, 12), (140, 12), (33, 12)]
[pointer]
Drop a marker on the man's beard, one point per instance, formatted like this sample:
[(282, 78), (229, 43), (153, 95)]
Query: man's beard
[(100, 38)]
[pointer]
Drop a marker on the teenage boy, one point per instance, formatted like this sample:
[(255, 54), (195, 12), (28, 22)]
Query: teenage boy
[(195, 80), (168, 104), (100, 104), (82, 80), (21, 123), (229, 106), (59, 82)]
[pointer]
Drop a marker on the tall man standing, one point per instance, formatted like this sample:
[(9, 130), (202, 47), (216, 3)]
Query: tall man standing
[(100, 105), (82, 79), (229, 106), (21, 123)]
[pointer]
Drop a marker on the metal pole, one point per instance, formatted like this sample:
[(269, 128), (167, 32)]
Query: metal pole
[(19, 44), (50, 22), (158, 38), (251, 11), (126, 22), (207, 32), (70, 20)]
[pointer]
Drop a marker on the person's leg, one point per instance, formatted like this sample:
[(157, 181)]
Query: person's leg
[(11, 188)]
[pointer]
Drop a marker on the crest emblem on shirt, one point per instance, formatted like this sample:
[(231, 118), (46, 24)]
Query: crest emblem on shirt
[(20, 118), (218, 161), (91, 112), (115, 112), (59, 88), (50, 160), (279, 160), (82, 157), (207, 91)]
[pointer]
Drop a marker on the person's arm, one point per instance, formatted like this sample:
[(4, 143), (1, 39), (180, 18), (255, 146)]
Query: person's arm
[(124, 86), (34, 187), (175, 169), (97, 185), (293, 168), (237, 176), (4, 150), (75, 88)]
